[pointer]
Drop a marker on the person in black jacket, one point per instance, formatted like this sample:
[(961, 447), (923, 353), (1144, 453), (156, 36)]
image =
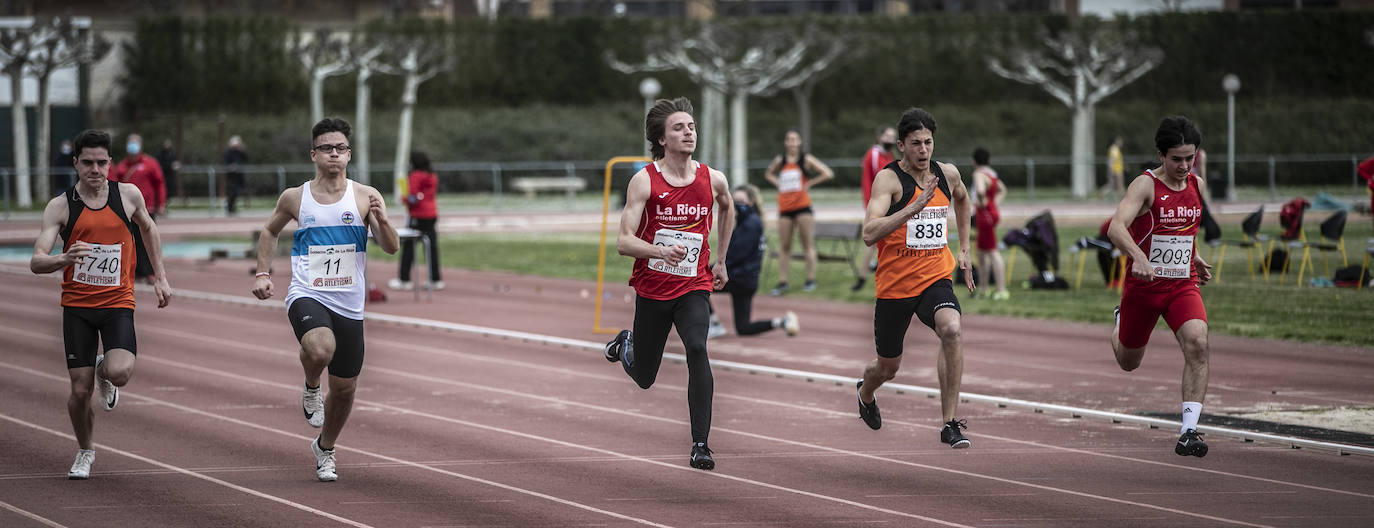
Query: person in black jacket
[(743, 262)]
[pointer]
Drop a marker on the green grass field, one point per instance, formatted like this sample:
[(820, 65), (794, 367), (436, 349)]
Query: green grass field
[(1236, 303)]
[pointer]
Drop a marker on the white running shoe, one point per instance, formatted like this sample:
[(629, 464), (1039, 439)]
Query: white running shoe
[(790, 324), (324, 462), (437, 285), (714, 330), (398, 284), (313, 404), (109, 394), (81, 469)]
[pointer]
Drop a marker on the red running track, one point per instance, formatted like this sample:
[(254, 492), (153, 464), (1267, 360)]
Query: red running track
[(454, 429)]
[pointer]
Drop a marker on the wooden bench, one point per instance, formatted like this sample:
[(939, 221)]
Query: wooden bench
[(845, 239), (532, 185)]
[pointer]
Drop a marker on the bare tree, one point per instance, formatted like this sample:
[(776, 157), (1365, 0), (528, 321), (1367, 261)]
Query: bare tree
[(737, 64), (421, 58), (368, 57), (17, 43), (1079, 68), (488, 9), (74, 44), (324, 54)]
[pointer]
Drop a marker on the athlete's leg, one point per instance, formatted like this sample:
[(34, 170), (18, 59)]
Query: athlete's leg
[(691, 316), (999, 270), (338, 404), (118, 366), (79, 404), (743, 303), (879, 371), (121, 344), (891, 317), (785, 225), (1135, 320), (984, 267), (950, 365), (653, 320), (806, 227), (317, 349), (1192, 337)]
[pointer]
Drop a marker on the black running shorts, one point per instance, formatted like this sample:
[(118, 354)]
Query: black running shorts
[(891, 317), (84, 328), (307, 314)]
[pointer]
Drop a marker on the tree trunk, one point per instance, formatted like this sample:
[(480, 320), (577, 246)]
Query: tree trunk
[(802, 95), (739, 158), (1082, 172), (360, 127), (403, 133), (711, 132), (43, 144), (20, 126), (316, 97), (720, 139)]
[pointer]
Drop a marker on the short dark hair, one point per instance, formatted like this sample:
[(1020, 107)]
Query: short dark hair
[(1176, 131), (914, 119), (980, 156), (91, 139), (330, 124), (419, 161), (658, 116)]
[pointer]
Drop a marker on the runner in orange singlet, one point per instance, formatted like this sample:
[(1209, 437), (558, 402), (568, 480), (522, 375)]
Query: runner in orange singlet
[(794, 172), (908, 218), (95, 219)]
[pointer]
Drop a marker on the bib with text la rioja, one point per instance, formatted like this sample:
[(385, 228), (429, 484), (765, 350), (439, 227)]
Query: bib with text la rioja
[(672, 237), (101, 267), (333, 268)]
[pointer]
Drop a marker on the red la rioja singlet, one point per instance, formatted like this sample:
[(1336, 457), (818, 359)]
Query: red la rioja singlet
[(1167, 234), (675, 216)]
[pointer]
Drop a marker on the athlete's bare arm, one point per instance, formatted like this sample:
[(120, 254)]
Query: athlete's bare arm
[(725, 203), (980, 187), (287, 204), (1204, 270), (626, 242), (962, 205), (152, 242), (771, 174), (815, 166), (382, 230), (886, 188), (54, 217), (1137, 201)]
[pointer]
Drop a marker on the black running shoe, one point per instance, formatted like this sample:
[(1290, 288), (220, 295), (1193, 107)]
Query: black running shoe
[(1191, 444), (951, 435), (869, 411), (617, 347), (701, 457)]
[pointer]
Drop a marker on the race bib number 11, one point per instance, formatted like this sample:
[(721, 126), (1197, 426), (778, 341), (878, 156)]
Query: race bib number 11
[(101, 267), (672, 237), (333, 268)]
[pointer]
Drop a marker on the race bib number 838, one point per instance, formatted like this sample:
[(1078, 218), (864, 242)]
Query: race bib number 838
[(926, 230)]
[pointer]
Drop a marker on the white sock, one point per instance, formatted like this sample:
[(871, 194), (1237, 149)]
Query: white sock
[(1191, 412), (777, 322)]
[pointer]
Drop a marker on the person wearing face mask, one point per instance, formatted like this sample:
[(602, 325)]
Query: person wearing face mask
[(143, 171), (743, 262), (61, 172), (877, 157), (234, 158)]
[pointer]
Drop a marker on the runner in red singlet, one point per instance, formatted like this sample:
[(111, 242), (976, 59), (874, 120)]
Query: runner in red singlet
[(1163, 208), (665, 226)]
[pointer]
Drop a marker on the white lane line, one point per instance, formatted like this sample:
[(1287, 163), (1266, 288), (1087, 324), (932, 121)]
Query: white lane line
[(32, 516), (170, 467), (127, 394), (830, 412), (432, 379)]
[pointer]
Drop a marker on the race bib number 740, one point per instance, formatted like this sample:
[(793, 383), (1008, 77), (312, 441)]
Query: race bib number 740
[(101, 267), (672, 237), (333, 268)]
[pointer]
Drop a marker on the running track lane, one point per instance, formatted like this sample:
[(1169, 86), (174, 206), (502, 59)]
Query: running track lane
[(555, 421)]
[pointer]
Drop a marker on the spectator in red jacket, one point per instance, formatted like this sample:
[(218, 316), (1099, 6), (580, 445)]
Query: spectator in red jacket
[(143, 171), (423, 185), (1366, 170)]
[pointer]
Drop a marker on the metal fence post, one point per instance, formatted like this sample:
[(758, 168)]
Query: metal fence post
[(5, 175), (1030, 178), (572, 173), (210, 177), (1273, 188), (496, 184), (281, 179)]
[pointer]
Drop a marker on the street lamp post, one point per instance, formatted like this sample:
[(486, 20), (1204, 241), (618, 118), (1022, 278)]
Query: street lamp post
[(1231, 84), (649, 88)]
